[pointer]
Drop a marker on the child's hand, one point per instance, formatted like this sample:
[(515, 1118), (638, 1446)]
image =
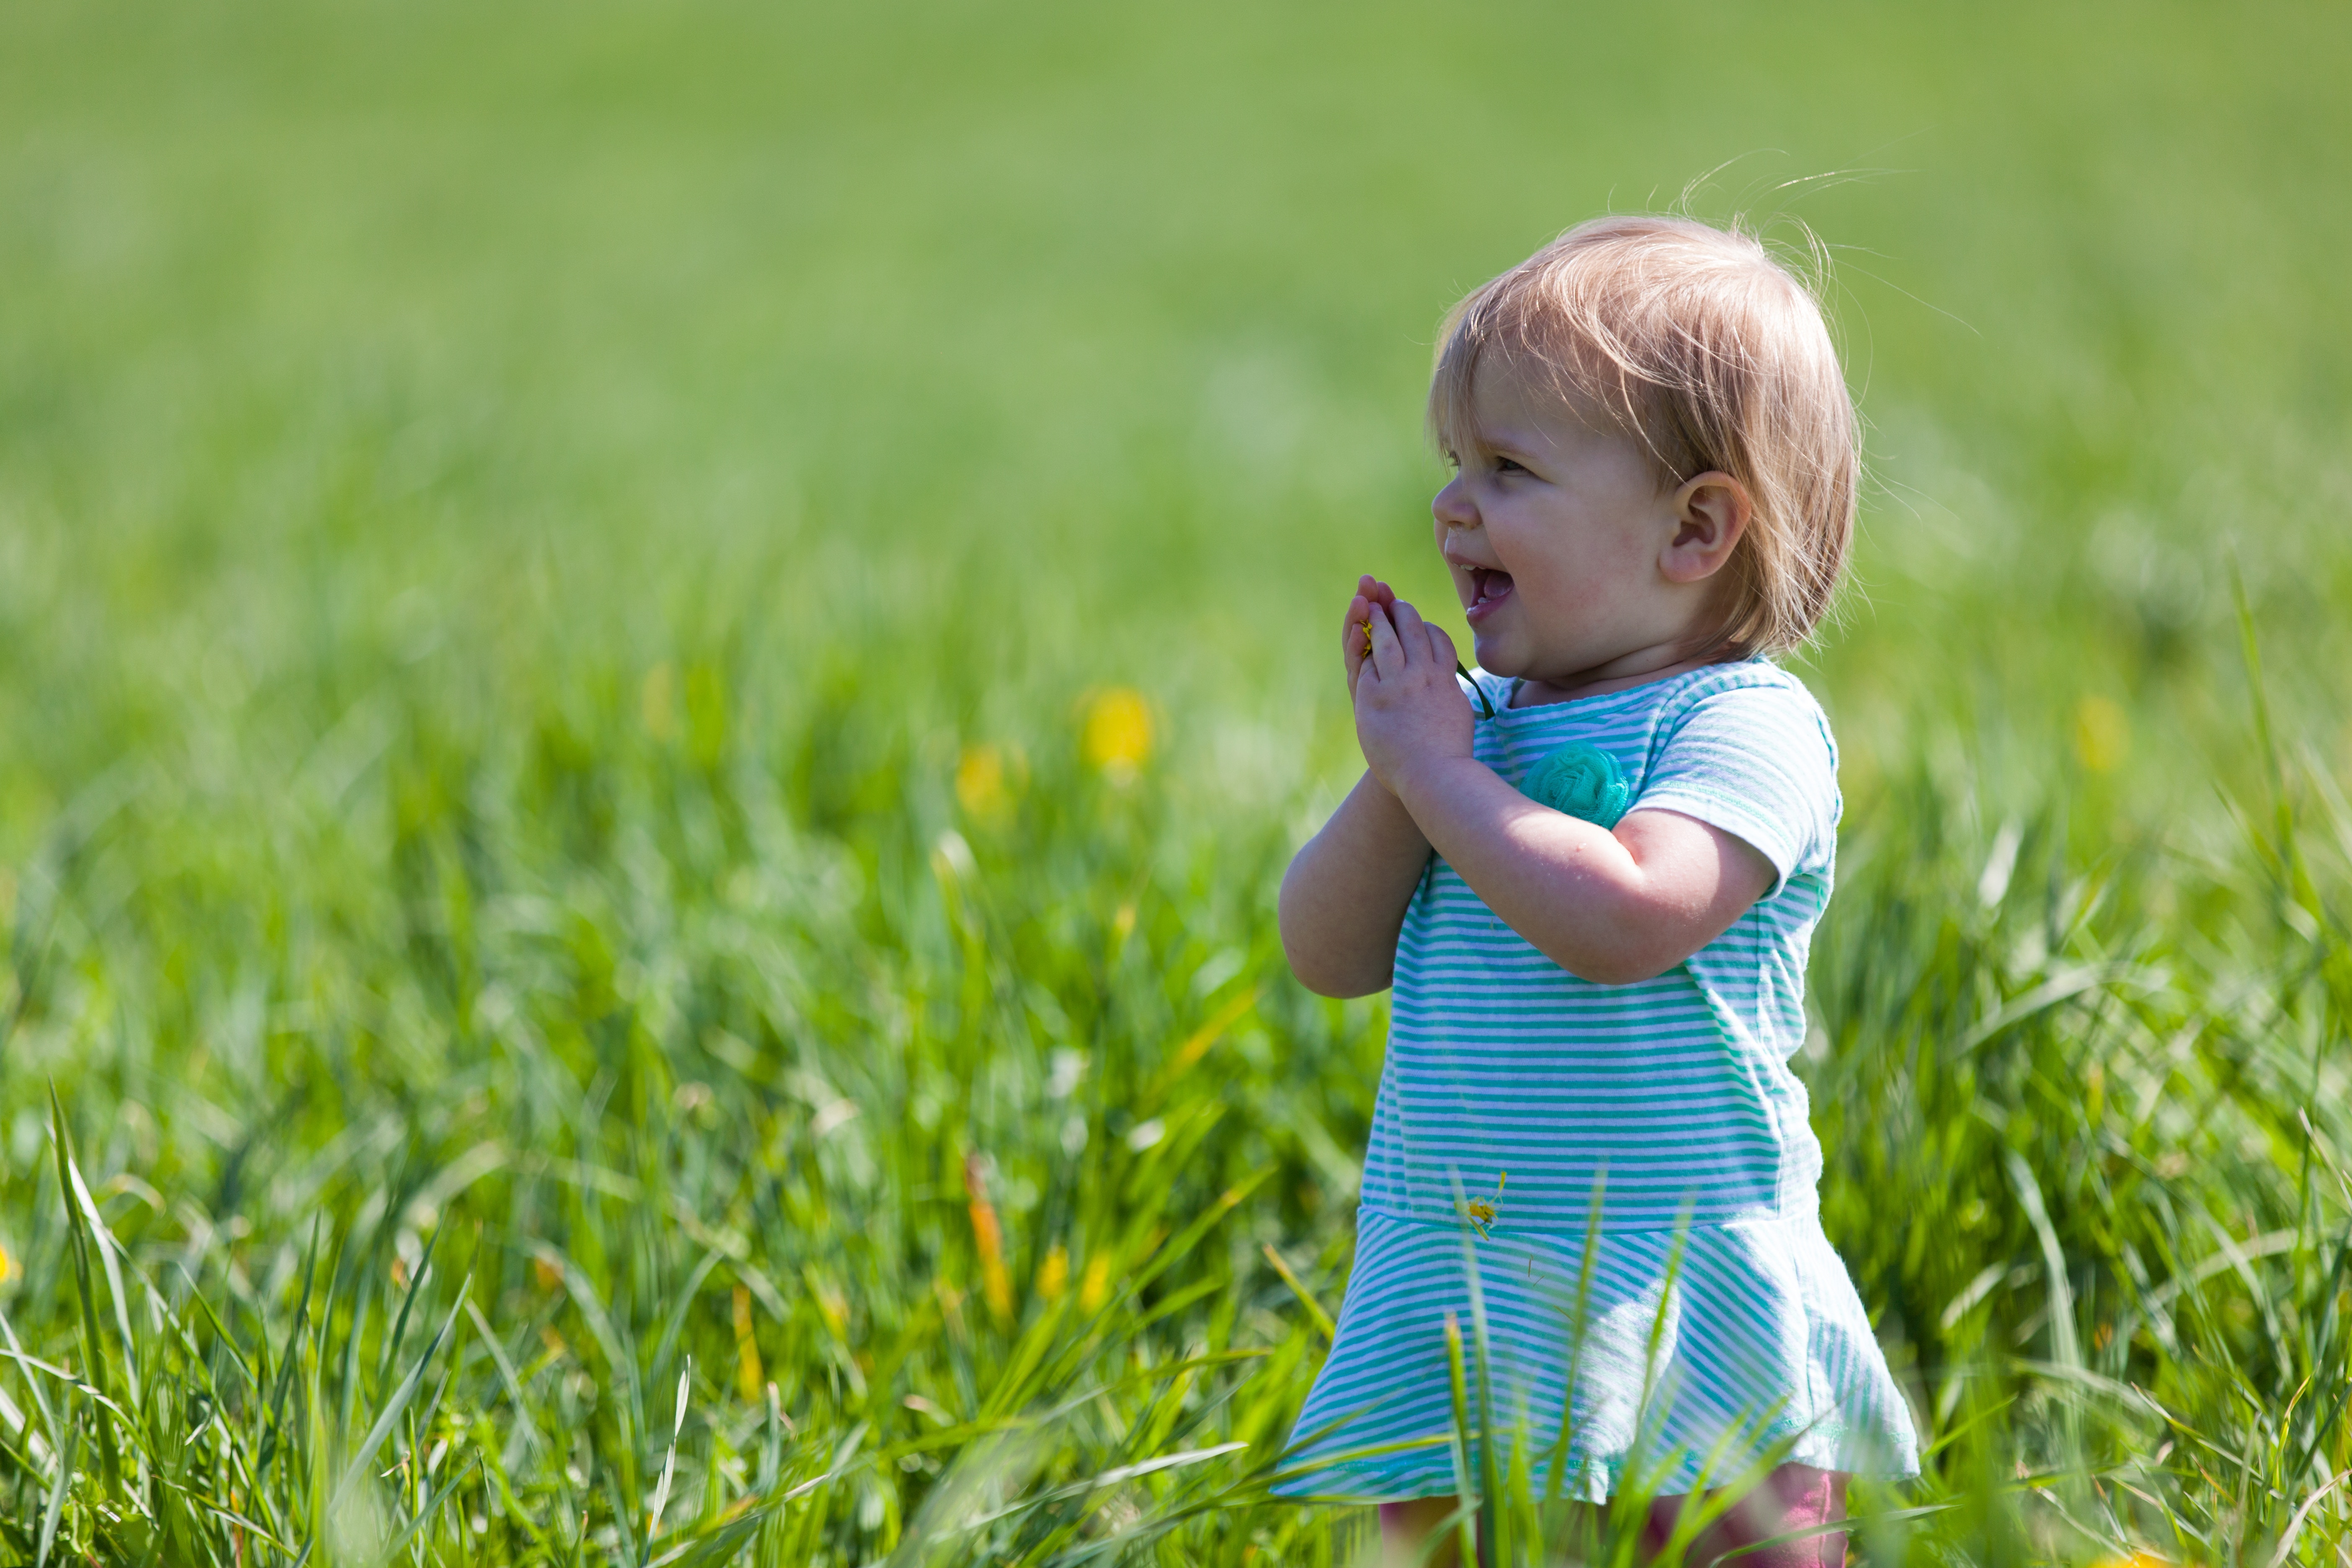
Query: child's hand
[(1355, 642), (1409, 708)]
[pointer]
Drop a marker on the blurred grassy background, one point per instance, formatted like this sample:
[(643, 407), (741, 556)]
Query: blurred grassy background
[(896, 318), (514, 523)]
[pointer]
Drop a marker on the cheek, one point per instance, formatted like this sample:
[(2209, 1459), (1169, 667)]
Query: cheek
[(1615, 545), (1580, 579)]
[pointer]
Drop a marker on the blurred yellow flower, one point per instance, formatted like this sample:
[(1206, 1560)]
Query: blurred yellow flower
[(1096, 1288), (987, 779), (1118, 732), (2102, 734), (1054, 1274), (749, 1377)]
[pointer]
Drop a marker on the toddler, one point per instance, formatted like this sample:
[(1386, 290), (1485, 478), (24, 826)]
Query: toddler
[(1591, 869)]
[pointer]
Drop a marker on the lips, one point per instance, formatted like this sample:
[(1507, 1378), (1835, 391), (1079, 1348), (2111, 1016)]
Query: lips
[(1490, 588)]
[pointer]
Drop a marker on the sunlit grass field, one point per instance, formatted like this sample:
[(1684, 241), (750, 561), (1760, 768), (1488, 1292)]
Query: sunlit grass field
[(656, 664)]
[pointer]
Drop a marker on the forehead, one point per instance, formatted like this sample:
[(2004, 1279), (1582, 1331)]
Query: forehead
[(1515, 401)]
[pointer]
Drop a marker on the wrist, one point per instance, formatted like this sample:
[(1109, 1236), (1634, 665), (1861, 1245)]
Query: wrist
[(1427, 779)]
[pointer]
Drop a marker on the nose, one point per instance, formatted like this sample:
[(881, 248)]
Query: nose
[(1453, 507)]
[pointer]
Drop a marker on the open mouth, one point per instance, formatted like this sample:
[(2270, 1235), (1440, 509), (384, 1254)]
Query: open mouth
[(1491, 588)]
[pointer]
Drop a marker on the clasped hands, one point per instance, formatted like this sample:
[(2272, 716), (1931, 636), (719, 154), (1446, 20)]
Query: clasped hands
[(1411, 717)]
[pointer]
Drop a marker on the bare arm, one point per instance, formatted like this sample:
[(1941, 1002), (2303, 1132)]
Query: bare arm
[(1610, 906), (1344, 897)]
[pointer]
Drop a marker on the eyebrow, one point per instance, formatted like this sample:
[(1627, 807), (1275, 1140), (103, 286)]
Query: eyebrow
[(1509, 444), (1477, 436)]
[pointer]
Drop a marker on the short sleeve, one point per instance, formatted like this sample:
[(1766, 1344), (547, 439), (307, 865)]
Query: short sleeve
[(1756, 761)]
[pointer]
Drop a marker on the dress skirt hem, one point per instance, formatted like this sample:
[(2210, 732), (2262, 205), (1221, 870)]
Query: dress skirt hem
[(1684, 1358)]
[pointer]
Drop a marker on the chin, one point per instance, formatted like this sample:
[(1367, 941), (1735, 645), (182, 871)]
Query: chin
[(1495, 660)]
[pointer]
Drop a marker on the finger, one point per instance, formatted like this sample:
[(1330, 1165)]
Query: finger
[(1378, 592), (1412, 633), (1441, 649), (1441, 645), (1388, 654), (1353, 638)]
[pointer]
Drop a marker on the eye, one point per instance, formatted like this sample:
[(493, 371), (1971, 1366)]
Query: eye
[(1507, 465)]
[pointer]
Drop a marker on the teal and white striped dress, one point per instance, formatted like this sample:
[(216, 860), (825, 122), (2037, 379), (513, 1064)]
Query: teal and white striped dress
[(1712, 1326)]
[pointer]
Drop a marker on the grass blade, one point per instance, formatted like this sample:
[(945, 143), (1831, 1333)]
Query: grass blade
[(357, 1468)]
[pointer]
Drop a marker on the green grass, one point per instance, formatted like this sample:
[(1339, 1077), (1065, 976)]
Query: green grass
[(513, 524)]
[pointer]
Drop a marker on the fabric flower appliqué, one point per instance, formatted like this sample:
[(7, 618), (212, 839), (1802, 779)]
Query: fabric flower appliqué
[(1581, 780)]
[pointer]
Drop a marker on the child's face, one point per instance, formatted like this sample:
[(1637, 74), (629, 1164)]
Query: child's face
[(1566, 551)]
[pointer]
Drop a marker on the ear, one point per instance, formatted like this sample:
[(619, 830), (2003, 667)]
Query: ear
[(1710, 512)]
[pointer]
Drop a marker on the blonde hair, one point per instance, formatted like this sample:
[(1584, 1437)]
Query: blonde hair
[(1700, 343)]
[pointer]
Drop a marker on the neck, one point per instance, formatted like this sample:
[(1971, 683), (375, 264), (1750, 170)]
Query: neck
[(1639, 667)]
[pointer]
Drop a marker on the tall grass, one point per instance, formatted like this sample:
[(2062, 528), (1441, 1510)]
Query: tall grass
[(974, 1191), (656, 667)]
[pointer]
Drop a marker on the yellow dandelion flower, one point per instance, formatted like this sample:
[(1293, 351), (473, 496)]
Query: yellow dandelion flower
[(1116, 734), (1094, 1290), (1054, 1274), (749, 1380), (1481, 1212), (985, 782)]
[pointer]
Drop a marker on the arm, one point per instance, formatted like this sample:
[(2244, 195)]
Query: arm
[(1344, 898), (1610, 906)]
